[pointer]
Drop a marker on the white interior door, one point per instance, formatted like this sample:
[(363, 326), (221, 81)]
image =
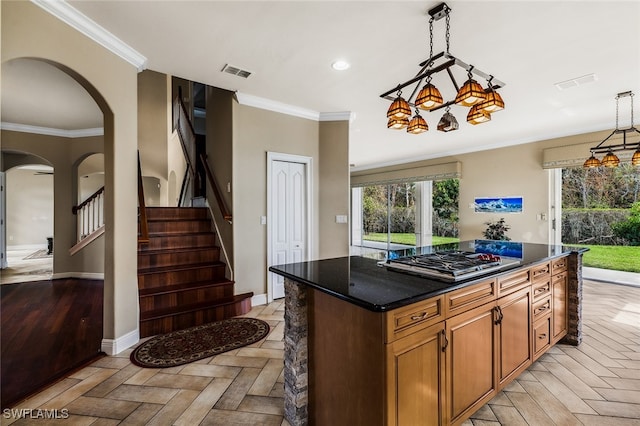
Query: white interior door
[(288, 217)]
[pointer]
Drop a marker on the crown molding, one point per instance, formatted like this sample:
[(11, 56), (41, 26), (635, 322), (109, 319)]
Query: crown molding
[(48, 131), (275, 106), (296, 111), (73, 17), (338, 116)]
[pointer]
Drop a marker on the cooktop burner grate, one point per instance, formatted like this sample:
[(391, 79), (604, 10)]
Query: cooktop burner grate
[(450, 265)]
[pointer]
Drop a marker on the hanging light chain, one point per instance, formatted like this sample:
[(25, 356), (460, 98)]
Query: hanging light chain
[(617, 108), (448, 19)]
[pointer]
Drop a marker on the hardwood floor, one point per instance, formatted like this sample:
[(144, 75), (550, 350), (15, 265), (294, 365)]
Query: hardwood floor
[(48, 328), (596, 383)]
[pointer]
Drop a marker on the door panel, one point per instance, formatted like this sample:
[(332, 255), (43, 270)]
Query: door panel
[(289, 217)]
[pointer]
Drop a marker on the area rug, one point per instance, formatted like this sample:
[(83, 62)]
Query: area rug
[(202, 341), (39, 254)]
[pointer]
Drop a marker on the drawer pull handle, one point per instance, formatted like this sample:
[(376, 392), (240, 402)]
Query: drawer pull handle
[(542, 336), (542, 308), (419, 317), (541, 290)]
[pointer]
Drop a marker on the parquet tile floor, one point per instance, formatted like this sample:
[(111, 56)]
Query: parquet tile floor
[(597, 383)]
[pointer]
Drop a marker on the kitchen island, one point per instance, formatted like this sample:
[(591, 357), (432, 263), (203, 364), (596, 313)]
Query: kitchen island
[(366, 344)]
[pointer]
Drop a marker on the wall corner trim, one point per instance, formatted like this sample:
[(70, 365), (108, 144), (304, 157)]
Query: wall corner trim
[(115, 346), (82, 23)]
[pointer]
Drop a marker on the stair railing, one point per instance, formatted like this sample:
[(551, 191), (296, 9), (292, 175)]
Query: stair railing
[(90, 215), (143, 236), (187, 137), (213, 183)]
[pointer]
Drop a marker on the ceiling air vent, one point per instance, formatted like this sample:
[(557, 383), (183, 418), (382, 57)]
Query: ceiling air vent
[(230, 69), (575, 82)]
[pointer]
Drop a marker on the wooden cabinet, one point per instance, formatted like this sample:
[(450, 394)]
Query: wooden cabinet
[(513, 327), (436, 361), (415, 366), (471, 362), (560, 289)]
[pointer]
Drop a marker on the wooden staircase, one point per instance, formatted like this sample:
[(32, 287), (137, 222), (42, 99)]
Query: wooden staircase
[(181, 280)]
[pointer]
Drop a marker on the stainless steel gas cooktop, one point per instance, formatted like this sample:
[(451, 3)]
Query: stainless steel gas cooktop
[(450, 265)]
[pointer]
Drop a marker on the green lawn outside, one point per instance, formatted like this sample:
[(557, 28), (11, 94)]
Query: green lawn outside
[(408, 239), (619, 258)]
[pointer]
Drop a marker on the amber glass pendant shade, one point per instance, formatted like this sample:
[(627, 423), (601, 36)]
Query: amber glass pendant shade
[(417, 125), (399, 109), (448, 123), (470, 94), (635, 160), (610, 160), (477, 115), (429, 97), (591, 162), (397, 123), (493, 101)]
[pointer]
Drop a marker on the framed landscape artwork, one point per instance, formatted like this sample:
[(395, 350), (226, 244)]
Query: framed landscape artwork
[(498, 205)]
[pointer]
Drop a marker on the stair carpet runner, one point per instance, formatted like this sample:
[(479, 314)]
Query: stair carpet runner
[(181, 280)]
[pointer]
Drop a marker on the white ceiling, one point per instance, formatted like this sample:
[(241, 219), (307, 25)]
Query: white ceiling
[(289, 47)]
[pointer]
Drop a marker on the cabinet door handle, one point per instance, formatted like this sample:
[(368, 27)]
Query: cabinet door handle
[(542, 336), (418, 317), (499, 315), (445, 340)]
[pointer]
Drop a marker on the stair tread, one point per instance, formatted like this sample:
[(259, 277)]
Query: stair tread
[(172, 268), (153, 291), (177, 250), (164, 312)]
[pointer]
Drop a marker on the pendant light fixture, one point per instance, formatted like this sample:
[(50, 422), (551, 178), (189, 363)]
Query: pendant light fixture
[(477, 115), (399, 108), (430, 98), (471, 93), (448, 122), (493, 101), (417, 124), (611, 159)]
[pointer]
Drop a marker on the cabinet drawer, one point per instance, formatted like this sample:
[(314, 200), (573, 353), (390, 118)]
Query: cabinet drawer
[(559, 277), (541, 308), (540, 272), (409, 319), (459, 301), (559, 265), (512, 282), (541, 289), (541, 336)]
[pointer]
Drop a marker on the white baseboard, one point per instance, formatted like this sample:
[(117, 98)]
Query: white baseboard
[(259, 299), (115, 346), (27, 247), (85, 275)]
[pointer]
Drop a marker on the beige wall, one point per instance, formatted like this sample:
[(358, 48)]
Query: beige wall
[(334, 188), (29, 208), (257, 132), (28, 31), (511, 171), (62, 154), (154, 116), (219, 148)]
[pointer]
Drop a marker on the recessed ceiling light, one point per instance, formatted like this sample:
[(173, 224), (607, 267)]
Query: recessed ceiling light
[(340, 65)]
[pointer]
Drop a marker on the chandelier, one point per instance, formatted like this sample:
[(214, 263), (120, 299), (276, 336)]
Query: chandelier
[(610, 159), (482, 101)]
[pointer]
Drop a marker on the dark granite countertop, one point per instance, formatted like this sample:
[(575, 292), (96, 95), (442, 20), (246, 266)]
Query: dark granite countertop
[(362, 281)]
